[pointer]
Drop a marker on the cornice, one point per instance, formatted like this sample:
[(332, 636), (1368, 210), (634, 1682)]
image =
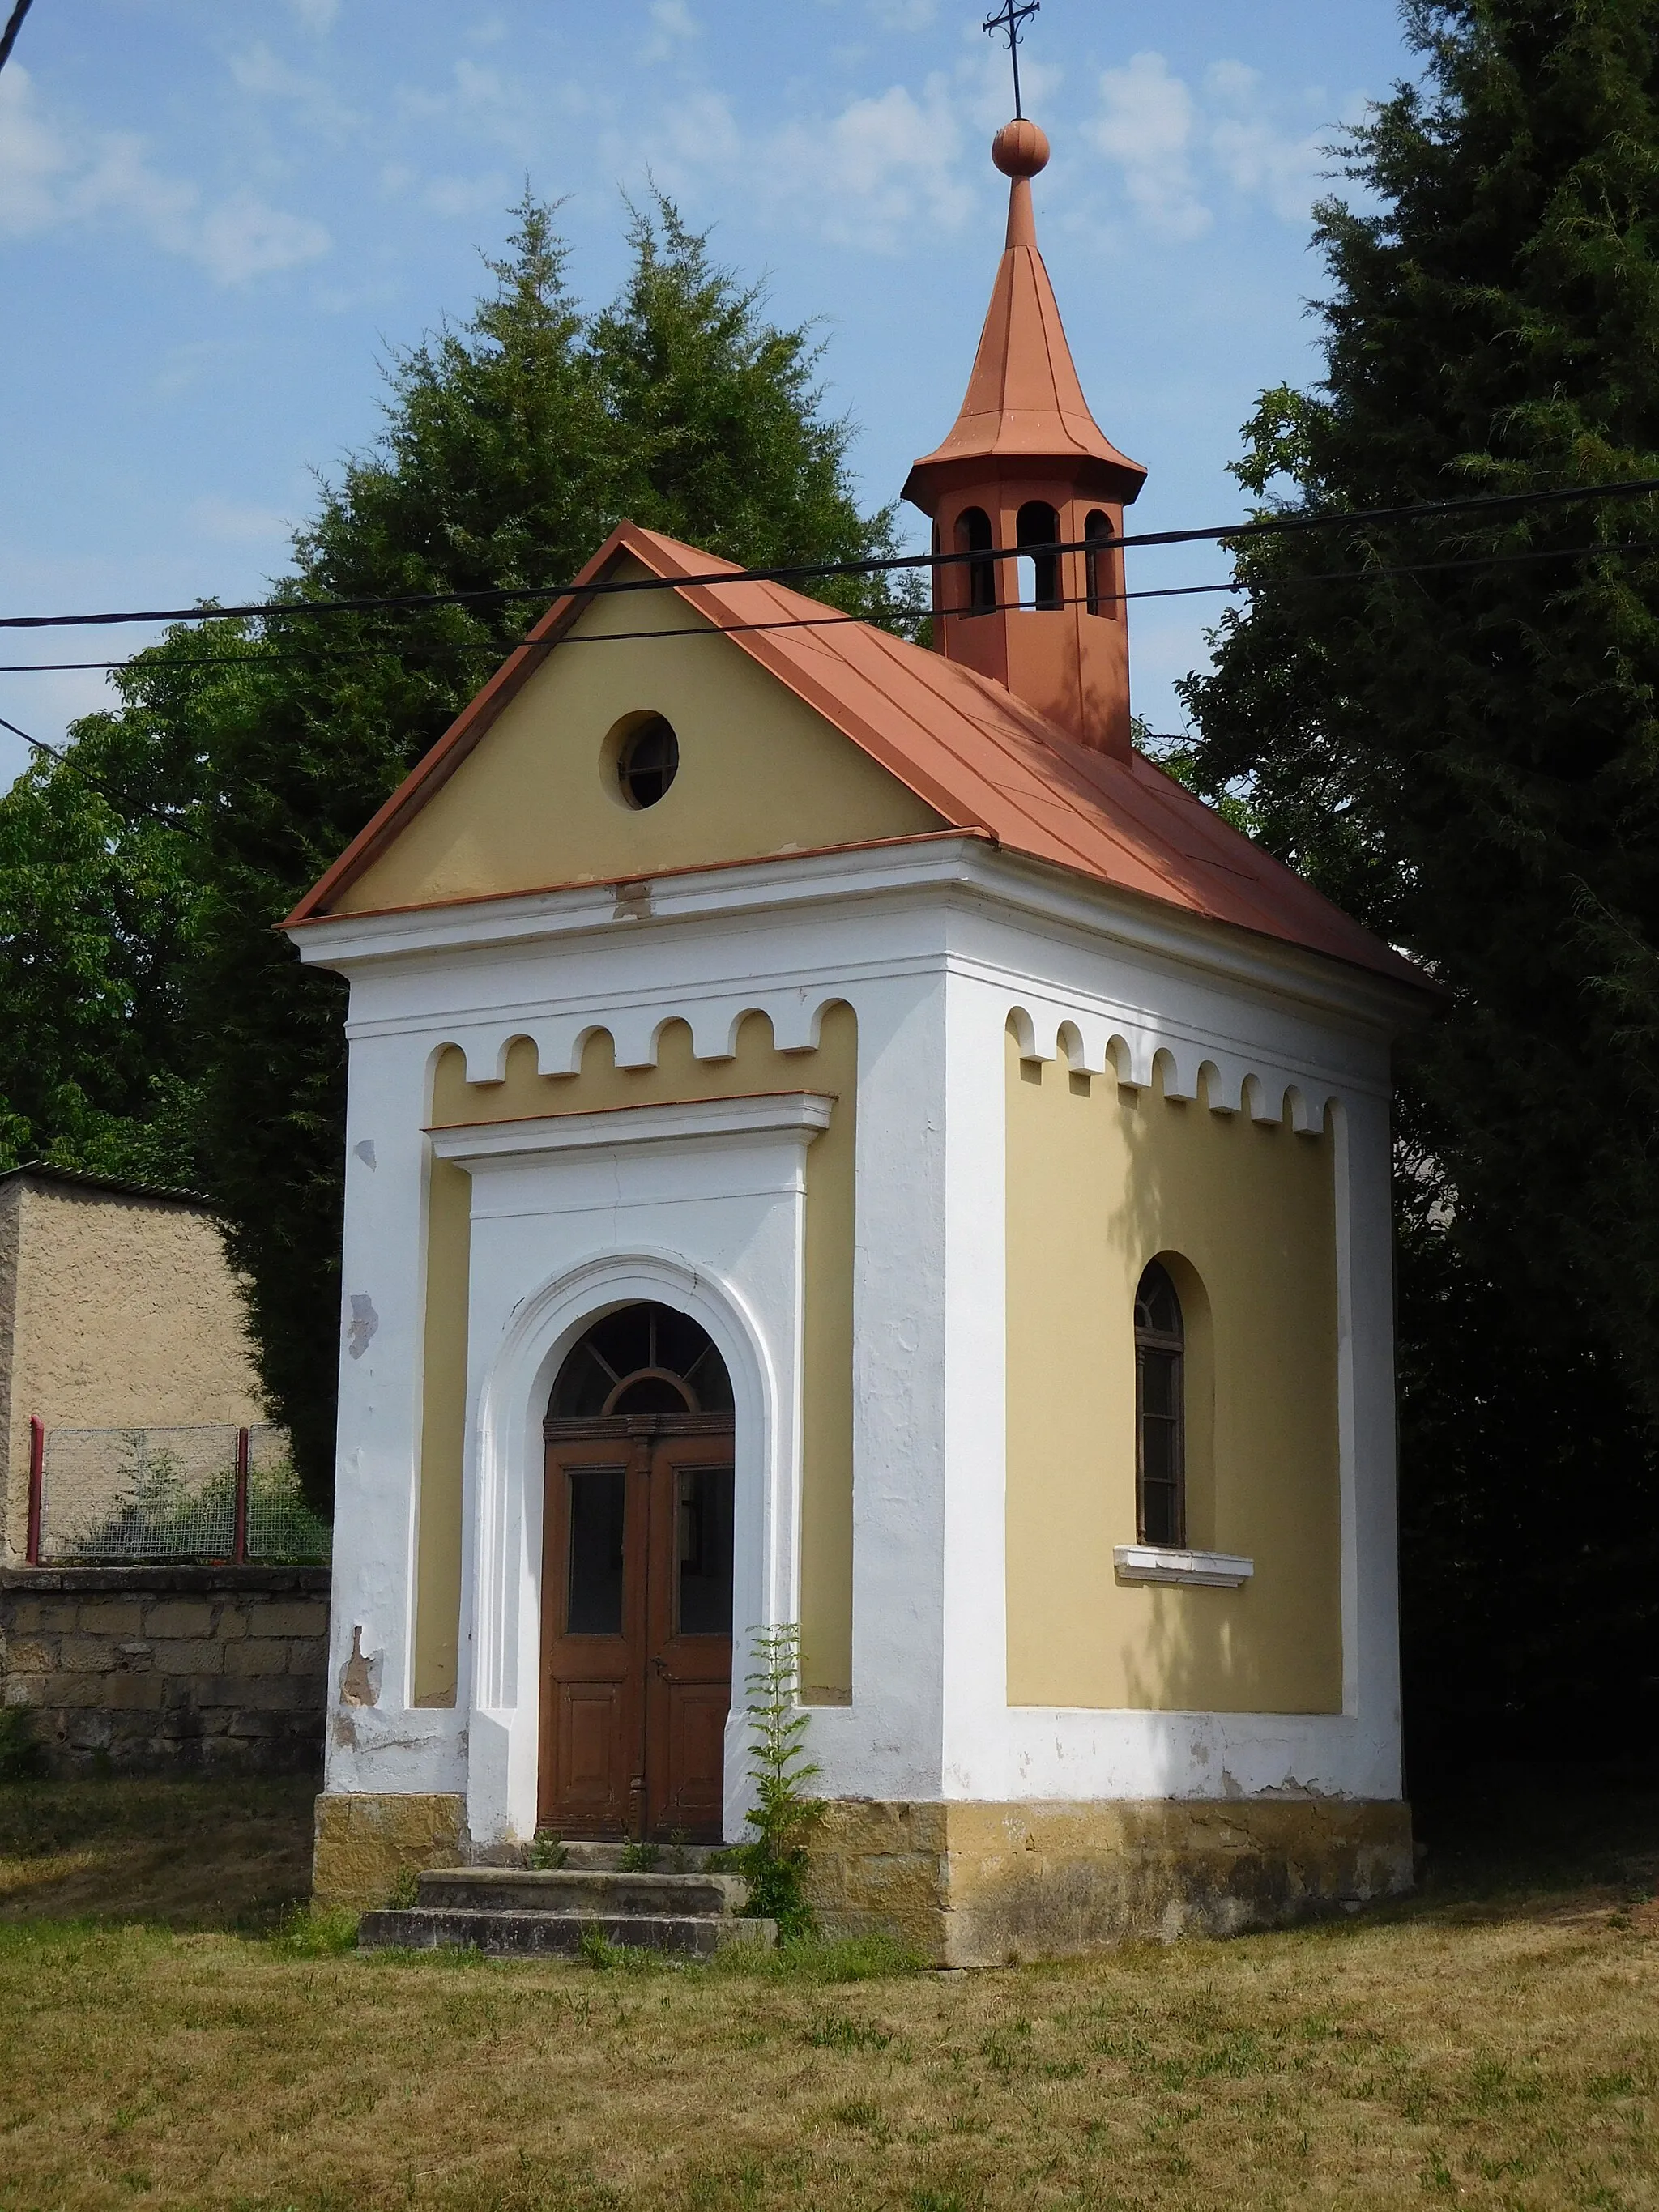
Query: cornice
[(949, 867), (798, 1116)]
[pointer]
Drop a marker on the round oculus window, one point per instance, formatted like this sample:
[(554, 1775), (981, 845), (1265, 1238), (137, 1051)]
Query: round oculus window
[(648, 761)]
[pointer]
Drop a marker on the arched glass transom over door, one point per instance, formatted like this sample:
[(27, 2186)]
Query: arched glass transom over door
[(636, 1582)]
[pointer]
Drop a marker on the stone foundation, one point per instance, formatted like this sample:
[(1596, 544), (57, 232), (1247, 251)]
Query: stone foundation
[(975, 1885), (366, 1844), (148, 1667), (968, 1884)]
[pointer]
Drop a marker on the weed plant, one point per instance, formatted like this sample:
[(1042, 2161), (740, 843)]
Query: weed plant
[(784, 1815)]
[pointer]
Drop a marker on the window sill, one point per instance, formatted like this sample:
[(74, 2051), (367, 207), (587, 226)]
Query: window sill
[(1156, 1563)]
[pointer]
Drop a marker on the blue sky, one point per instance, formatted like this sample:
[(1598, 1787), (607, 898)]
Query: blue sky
[(216, 215)]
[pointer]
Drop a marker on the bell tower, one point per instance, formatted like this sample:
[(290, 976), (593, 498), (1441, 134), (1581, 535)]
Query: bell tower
[(1027, 466)]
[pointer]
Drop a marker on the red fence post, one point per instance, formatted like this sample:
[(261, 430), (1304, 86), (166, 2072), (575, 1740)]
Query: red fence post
[(36, 1488), (239, 1541)]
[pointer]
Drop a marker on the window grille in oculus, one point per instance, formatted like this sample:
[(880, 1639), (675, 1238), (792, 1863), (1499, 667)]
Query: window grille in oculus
[(649, 761), (1160, 1411)]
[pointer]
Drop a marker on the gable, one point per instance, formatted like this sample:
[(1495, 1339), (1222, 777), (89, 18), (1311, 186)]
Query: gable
[(537, 801)]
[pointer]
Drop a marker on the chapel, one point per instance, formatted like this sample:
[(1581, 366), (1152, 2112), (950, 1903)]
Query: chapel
[(837, 1139)]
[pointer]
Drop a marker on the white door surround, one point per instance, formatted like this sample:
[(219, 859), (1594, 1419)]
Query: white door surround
[(701, 1207)]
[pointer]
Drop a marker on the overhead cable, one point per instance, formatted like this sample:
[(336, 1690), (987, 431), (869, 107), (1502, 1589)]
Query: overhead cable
[(268, 610), (260, 657), (14, 24)]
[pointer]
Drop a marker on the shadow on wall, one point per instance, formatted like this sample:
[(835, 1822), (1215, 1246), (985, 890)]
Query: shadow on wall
[(1103, 1177), (751, 1063)]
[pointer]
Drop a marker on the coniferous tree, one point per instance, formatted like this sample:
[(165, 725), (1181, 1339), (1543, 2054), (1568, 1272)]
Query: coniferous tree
[(512, 447), (1451, 725)]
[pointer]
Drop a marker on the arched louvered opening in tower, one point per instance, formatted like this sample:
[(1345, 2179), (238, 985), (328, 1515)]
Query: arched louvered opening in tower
[(1097, 534), (1038, 528), (973, 536)]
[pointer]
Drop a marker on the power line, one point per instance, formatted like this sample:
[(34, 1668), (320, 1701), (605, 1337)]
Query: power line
[(9, 36), (38, 744), (122, 807), (496, 648), (125, 807), (1493, 502)]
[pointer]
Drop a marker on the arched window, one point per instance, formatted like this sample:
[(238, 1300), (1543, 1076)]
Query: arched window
[(641, 1360), (973, 536), (1039, 578), (1160, 1411), (1094, 530)]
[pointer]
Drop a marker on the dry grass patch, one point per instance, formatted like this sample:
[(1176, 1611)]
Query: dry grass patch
[(1488, 2052), (182, 1854)]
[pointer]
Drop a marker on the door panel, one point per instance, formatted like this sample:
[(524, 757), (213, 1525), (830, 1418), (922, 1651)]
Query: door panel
[(592, 1627), (688, 1614), (695, 1783), (591, 1742), (636, 1637)]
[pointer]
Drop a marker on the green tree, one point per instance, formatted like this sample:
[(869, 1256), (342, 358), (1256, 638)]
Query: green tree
[(512, 445), (99, 891), (1450, 726)]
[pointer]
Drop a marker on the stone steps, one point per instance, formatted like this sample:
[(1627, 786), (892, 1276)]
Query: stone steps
[(524, 1911), (607, 1858)]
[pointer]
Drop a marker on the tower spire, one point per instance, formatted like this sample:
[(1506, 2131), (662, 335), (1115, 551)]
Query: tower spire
[(1026, 465)]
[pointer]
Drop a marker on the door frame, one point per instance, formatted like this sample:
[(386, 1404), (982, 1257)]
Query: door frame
[(498, 1761)]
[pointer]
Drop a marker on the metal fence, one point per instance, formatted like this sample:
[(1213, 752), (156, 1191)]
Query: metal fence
[(209, 1492)]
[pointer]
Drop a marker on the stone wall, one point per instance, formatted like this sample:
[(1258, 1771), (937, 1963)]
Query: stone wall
[(74, 1252), (986, 1884), (141, 1667)]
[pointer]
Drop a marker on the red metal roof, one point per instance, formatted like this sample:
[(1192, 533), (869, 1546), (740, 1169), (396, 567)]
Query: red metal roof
[(1024, 411), (979, 757)]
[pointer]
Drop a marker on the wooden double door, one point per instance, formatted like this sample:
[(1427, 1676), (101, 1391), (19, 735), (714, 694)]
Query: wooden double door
[(637, 1627)]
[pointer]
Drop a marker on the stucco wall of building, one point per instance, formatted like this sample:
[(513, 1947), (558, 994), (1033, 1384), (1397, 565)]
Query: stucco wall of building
[(117, 1310), (755, 1066), (1103, 1178), (539, 801)]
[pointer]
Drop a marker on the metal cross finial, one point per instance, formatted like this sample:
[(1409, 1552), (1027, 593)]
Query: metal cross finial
[(1012, 18)]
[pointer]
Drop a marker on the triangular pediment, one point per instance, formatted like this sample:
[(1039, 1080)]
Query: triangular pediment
[(534, 800)]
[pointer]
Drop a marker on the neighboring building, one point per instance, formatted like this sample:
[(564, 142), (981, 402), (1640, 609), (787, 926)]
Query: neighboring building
[(836, 1137), (119, 1310)]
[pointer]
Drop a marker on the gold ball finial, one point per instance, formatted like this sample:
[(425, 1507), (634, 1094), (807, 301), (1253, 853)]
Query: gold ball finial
[(1020, 149)]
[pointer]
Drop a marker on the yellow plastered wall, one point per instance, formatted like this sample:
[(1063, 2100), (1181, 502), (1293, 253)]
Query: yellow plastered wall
[(443, 1431), (826, 1600), (1101, 1180), (538, 802)]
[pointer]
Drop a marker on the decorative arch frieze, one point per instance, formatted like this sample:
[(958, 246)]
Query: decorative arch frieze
[(796, 1018), (1190, 1071)]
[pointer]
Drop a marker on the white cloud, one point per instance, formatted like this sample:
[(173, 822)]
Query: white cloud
[(457, 196), (882, 174), (1178, 153), (227, 522), (316, 15), (263, 74), (1258, 159), (1147, 126), (673, 25), (53, 174), (245, 238), (1260, 163)]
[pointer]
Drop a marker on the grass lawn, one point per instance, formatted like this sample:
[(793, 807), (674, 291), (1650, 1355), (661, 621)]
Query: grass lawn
[(168, 2038)]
